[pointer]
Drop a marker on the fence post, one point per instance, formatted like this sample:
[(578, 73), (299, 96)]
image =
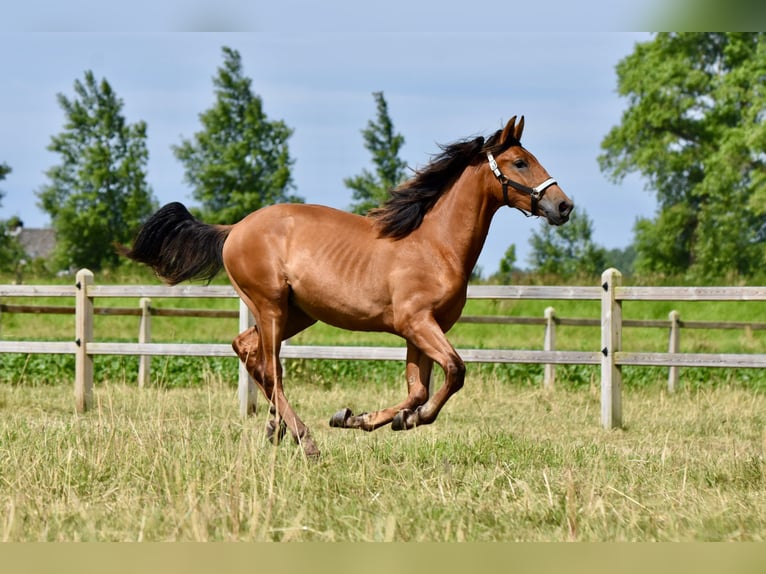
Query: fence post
[(83, 371), (246, 385), (674, 346), (145, 336), (611, 343), (549, 344)]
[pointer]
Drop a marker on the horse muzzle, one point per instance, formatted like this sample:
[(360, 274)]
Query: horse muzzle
[(555, 208)]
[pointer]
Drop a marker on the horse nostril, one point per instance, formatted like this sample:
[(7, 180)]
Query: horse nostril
[(565, 208)]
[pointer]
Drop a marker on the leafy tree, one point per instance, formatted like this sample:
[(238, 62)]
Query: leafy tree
[(4, 170), (10, 250), (622, 259), (97, 195), (240, 161), (370, 190), (507, 266), (695, 129), (567, 251)]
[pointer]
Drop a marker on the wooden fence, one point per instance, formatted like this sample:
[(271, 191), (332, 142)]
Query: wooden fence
[(610, 356)]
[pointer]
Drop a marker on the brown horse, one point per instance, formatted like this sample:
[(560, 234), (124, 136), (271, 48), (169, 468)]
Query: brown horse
[(403, 269)]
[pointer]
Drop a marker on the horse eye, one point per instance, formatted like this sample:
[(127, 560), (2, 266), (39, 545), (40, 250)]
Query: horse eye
[(520, 163)]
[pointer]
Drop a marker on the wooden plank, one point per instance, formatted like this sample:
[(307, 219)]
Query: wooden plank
[(201, 313), (38, 347), (646, 323), (117, 311), (625, 293), (331, 352), (530, 356), (468, 319), (577, 322), (722, 325), (37, 309), (120, 311), (691, 293), (345, 352), (163, 291), (37, 290), (533, 292), (691, 360), (158, 349), (501, 320)]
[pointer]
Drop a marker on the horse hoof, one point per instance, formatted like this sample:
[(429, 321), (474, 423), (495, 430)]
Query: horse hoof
[(272, 434), (310, 450), (339, 419), (400, 420)]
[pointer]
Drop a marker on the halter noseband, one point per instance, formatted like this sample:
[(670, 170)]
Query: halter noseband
[(533, 192)]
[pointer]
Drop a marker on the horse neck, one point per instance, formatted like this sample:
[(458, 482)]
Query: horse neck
[(460, 220)]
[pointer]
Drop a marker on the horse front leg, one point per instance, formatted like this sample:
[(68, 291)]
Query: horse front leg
[(418, 373), (433, 343)]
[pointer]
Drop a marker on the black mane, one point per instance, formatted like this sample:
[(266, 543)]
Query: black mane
[(408, 204)]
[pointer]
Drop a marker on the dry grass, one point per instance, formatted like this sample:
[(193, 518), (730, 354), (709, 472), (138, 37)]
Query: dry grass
[(503, 462)]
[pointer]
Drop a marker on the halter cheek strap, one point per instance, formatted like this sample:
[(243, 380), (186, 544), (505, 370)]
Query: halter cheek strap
[(535, 193)]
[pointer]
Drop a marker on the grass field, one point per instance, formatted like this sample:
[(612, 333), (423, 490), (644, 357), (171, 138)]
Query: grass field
[(505, 460)]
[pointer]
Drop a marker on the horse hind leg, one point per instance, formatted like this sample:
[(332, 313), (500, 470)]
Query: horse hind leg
[(245, 345), (269, 347), (259, 348)]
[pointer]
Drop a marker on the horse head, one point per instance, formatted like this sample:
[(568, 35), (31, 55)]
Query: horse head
[(526, 185)]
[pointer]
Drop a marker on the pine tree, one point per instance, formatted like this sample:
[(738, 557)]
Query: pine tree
[(98, 194), (240, 161), (370, 190)]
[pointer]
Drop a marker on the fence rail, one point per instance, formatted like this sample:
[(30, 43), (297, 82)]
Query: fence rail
[(610, 356)]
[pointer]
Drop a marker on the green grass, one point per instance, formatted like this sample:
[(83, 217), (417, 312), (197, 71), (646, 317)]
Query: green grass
[(503, 462)]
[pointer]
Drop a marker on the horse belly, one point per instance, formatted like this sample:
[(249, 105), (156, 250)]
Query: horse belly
[(342, 285), (341, 301)]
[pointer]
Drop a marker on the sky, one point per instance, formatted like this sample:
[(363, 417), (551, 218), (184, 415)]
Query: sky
[(459, 74)]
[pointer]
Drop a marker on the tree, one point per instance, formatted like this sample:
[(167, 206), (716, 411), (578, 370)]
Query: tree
[(240, 161), (10, 250), (4, 170), (695, 129), (370, 190), (98, 194), (507, 266), (622, 259), (567, 251)]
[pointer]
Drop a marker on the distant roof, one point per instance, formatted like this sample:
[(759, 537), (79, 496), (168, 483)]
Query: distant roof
[(37, 243)]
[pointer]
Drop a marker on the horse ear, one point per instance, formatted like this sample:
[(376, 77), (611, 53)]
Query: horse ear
[(509, 130), (519, 129)]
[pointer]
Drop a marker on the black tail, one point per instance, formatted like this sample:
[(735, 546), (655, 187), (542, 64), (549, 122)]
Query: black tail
[(178, 246)]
